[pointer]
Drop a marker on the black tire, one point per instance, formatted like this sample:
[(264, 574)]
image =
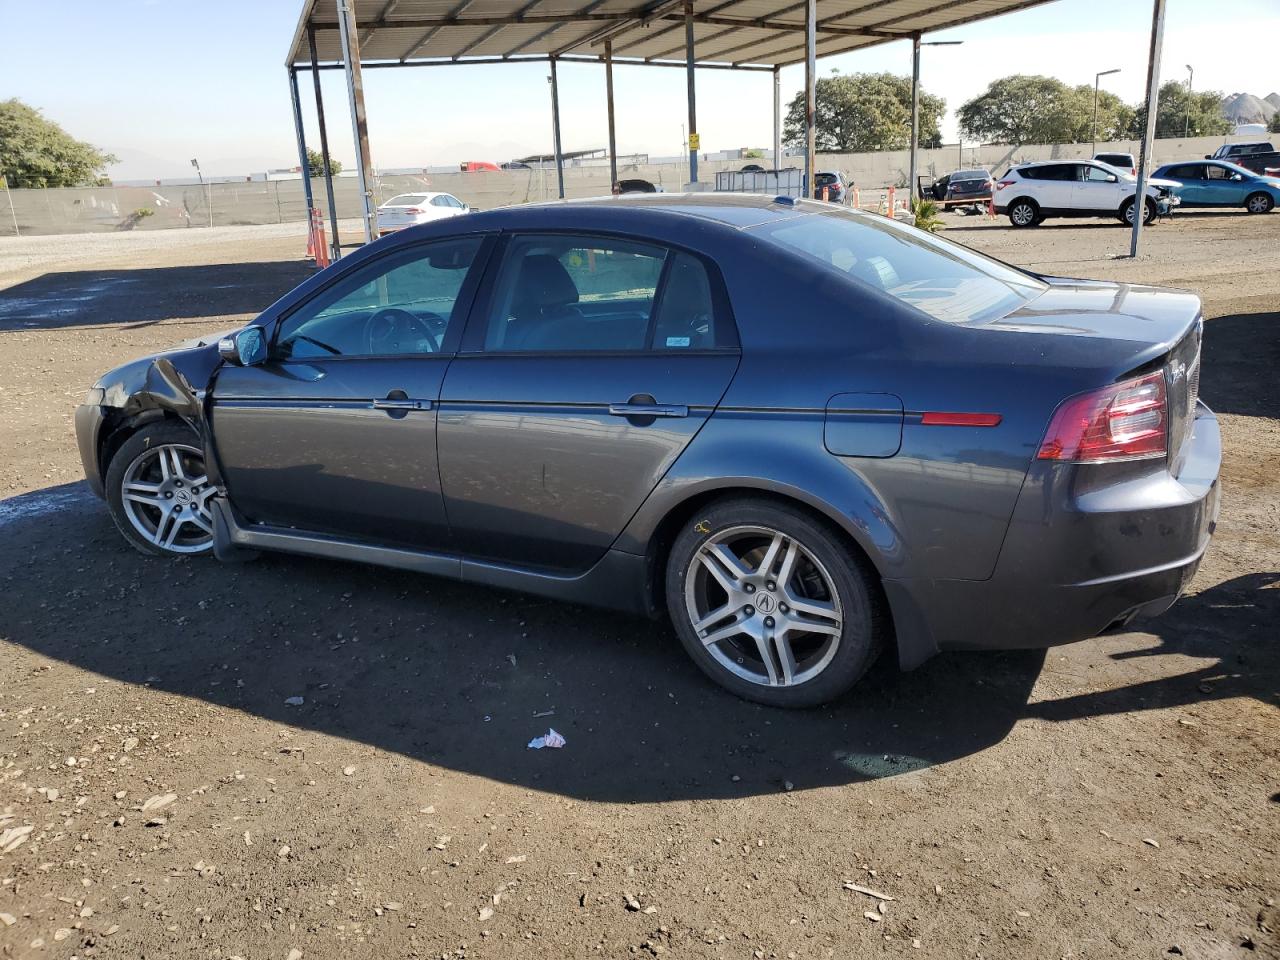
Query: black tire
[(1024, 212), (138, 460), (863, 623), (1259, 202), (1148, 216)]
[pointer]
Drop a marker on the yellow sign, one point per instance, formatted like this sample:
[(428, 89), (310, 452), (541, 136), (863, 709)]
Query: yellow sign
[(695, 142)]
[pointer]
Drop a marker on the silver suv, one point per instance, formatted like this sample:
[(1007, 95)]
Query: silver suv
[(1029, 193)]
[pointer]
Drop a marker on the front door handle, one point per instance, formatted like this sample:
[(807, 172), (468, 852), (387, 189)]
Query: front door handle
[(648, 410), (401, 403)]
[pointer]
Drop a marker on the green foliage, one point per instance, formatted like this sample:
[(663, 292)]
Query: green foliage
[(144, 212), (862, 112), (315, 164), (753, 154), (1115, 117), (35, 152), (1274, 125), (1196, 114), (1030, 109), (927, 218)]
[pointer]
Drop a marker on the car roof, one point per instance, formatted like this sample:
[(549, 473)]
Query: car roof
[(420, 193), (737, 210)]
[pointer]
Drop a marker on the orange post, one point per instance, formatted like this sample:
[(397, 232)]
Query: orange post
[(893, 201)]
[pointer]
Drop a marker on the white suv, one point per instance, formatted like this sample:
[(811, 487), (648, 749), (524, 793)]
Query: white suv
[(1031, 192)]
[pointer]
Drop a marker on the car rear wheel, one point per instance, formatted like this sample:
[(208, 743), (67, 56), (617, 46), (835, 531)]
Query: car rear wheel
[(158, 491), (1024, 213), (1148, 216), (1259, 203), (771, 604)]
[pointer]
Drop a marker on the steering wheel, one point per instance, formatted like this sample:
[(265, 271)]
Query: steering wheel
[(391, 329)]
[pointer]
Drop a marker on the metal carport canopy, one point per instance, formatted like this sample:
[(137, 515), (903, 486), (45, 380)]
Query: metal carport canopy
[(723, 34), (737, 33)]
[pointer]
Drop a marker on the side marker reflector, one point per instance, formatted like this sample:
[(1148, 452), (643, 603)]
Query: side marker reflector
[(937, 418)]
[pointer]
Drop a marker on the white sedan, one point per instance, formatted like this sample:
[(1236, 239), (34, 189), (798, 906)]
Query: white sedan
[(409, 209)]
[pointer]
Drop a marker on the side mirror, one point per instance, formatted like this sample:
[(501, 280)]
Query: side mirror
[(1237, 177), (1112, 178), (244, 348), (1208, 156)]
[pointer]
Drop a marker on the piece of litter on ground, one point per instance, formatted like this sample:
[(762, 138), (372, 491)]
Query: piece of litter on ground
[(649, 910), (544, 713), (486, 913), (632, 902), (856, 888), (873, 917), (1150, 843), (348, 771), (517, 859), (158, 802), (294, 702), (295, 954), (549, 739)]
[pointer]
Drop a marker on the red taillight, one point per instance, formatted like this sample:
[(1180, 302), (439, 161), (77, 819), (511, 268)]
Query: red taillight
[(1004, 183), (1125, 421)]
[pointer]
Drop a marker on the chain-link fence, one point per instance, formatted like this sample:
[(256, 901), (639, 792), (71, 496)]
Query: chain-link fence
[(117, 208)]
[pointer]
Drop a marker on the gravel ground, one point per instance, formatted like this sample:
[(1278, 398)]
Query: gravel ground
[(163, 794)]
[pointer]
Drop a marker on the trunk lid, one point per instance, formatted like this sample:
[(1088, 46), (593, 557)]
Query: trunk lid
[(1155, 316)]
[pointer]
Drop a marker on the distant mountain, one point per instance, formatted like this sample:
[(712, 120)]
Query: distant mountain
[(1246, 108), (1273, 99)]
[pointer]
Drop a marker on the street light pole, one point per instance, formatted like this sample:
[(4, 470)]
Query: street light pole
[(1186, 124), (1097, 77), (207, 188)]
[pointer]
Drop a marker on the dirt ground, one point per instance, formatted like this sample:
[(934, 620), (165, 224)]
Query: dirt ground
[(160, 797)]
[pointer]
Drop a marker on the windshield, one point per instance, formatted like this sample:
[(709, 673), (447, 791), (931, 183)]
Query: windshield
[(407, 200), (945, 280)]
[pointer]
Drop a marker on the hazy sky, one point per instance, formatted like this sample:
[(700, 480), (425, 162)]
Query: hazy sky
[(160, 81)]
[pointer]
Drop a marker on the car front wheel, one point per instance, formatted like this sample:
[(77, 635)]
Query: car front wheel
[(1259, 203), (158, 491), (771, 604), (1148, 214)]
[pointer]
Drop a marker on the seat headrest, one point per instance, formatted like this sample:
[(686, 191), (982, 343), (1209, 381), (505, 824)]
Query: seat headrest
[(544, 282)]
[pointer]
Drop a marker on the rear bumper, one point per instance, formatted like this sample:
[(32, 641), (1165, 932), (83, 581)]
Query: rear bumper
[(89, 419), (1086, 550)]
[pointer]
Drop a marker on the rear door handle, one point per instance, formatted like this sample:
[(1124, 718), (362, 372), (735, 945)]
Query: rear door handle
[(402, 404), (648, 410)]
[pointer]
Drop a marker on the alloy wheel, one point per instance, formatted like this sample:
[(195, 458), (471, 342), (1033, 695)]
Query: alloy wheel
[(165, 493), (1259, 204), (763, 606), (1023, 214)]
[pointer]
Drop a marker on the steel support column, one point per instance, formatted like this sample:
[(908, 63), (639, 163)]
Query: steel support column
[(694, 143), (777, 118), (359, 122), (555, 128), (608, 89), (334, 245), (1148, 137), (810, 93), (915, 120), (302, 140)]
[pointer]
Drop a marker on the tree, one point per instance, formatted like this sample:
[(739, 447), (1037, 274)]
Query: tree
[(35, 152), (1274, 125), (1179, 113), (862, 112), (1030, 109), (1115, 117), (315, 164)]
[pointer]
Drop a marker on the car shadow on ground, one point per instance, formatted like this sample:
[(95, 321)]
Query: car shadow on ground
[(1240, 363), (462, 676), (141, 297)]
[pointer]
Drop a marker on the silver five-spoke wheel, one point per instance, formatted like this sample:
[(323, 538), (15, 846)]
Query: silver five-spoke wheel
[(164, 493), (763, 606)]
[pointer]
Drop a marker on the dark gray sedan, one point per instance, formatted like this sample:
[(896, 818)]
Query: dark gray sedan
[(802, 432)]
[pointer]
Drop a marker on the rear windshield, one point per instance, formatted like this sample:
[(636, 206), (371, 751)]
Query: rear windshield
[(406, 200), (824, 179), (969, 175), (945, 280)]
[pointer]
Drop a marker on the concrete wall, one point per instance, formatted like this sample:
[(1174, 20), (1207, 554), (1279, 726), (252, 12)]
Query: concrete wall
[(104, 209)]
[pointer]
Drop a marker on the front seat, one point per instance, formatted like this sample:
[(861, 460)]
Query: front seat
[(544, 299)]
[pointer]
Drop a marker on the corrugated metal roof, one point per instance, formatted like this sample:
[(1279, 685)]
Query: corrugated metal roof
[(742, 33)]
